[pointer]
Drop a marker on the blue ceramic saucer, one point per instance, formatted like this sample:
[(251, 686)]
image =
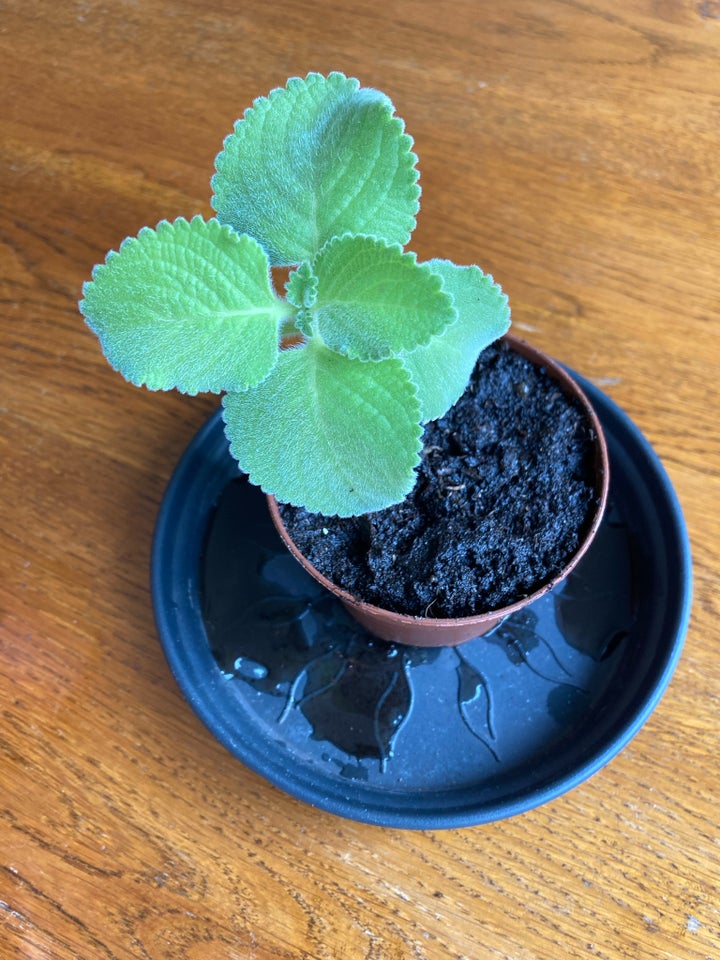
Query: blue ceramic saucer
[(412, 738)]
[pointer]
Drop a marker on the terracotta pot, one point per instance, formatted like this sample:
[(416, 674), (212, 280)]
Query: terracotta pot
[(437, 632)]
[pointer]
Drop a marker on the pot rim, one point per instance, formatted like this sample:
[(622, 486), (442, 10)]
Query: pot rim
[(476, 624)]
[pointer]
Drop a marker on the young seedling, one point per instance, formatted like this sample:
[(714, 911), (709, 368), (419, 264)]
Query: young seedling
[(325, 388)]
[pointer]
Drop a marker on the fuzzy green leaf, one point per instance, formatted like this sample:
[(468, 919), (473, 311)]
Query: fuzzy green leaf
[(187, 305), (441, 370), (316, 159), (335, 435), (374, 301), (301, 288)]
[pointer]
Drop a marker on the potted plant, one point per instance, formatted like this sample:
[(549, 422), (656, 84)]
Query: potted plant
[(333, 393)]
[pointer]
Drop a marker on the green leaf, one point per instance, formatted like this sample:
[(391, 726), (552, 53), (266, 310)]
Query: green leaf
[(187, 305), (337, 436), (374, 301), (301, 287), (316, 159), (441, 370), (301, 290)]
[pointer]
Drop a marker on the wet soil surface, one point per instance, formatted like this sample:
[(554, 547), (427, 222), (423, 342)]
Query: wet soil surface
[(504, 495)]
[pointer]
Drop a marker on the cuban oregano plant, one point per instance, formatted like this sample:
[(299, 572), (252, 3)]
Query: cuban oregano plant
[(325, 388)]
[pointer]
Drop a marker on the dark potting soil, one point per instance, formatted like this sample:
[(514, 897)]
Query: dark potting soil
[(503, 499)]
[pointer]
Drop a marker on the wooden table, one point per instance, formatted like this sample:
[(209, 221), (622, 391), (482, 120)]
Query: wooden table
[(573, 150)]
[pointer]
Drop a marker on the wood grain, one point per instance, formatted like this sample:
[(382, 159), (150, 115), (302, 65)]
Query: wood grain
[(571, 148)]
